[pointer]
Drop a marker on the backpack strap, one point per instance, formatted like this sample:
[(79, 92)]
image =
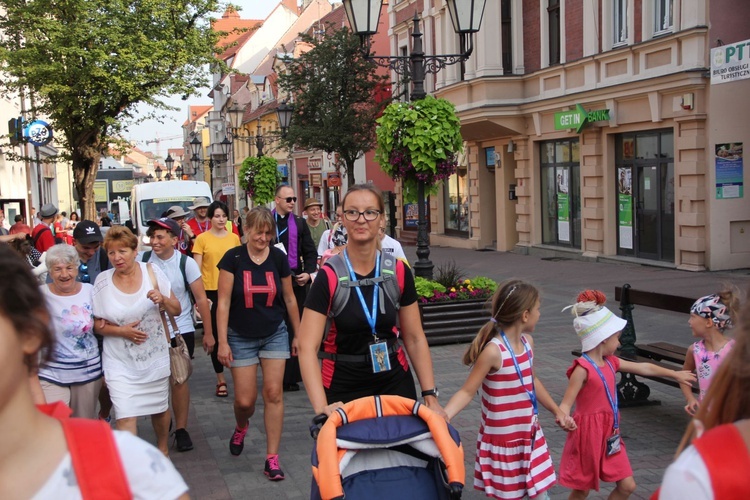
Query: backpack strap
[(39, 234), (146, 256), (183, 263), (717, 446), (95, 459), (103, 259)]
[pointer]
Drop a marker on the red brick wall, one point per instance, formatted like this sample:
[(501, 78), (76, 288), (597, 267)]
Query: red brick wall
[(638, 19), (407, 13), (573, 30), (531, 36)]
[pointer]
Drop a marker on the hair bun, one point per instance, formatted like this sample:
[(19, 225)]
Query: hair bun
[(592, 296)]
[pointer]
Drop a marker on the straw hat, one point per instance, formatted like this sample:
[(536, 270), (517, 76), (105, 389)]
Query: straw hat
[(312, 202)]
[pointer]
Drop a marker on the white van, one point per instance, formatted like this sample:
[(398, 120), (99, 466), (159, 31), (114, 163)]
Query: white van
[(150, 200)]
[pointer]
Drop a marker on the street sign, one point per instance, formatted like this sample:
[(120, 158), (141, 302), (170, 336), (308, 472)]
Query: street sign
[(579, 117), (730, 63), (227, 188)]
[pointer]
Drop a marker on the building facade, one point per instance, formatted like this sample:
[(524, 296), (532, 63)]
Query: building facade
[(593, 129)]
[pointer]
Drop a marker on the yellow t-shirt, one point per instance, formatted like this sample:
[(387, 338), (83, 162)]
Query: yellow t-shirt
[(213, 248)]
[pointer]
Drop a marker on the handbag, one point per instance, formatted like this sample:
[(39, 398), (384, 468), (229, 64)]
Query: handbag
[(180, 365)]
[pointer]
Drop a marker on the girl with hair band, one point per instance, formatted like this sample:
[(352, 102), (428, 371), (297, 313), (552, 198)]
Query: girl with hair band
[(512, 460), (710, 316), (713, 458), (594, 450), (208, 249)]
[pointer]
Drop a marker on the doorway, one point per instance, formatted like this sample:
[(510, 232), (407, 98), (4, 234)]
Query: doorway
[(645, 195)]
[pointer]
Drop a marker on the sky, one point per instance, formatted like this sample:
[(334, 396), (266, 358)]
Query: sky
[(171, 125)]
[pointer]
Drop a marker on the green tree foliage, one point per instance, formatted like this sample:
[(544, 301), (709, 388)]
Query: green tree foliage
[(87, 64), (337, 97)]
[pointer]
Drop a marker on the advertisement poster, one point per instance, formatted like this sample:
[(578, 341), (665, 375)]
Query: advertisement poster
[(563, 205), (411, 214), (101, 191), (625, 219), (729, 171)]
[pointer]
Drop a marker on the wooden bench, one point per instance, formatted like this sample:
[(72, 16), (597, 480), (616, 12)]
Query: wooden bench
[(632, 392)]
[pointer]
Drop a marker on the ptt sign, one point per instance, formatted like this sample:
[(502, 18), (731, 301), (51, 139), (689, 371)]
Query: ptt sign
[(730, 63)]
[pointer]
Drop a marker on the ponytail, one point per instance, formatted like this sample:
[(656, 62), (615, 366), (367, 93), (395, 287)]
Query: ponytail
[(482, 339)]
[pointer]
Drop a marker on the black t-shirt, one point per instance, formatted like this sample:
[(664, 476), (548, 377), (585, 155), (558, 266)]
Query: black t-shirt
[(257, 307), (352, 331)]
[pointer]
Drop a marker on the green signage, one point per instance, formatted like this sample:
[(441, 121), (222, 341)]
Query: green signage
[(578, 118)]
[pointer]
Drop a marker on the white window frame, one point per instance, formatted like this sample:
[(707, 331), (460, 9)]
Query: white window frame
[(663, 16), (620, 23)]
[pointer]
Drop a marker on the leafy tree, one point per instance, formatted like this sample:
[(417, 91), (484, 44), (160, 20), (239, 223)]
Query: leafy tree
[(87, 64), (337, 97)]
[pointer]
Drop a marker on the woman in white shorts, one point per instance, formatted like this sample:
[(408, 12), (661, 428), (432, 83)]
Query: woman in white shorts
[(135, 358)]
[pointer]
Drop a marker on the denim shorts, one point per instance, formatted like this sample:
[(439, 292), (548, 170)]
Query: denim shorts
[(247, 351)]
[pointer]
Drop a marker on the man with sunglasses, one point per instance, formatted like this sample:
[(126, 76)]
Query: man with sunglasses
[(293, 236)]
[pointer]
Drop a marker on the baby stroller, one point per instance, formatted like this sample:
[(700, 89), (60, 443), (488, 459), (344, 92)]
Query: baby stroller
[(386, 447)]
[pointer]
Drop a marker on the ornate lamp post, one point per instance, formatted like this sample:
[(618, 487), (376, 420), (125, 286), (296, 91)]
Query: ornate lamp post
[(169, 162), (219, 154), (466, 16), (284, 113), (179, 172), (158, 171)]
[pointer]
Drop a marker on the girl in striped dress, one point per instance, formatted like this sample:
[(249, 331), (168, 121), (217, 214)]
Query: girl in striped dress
[(512, 460)]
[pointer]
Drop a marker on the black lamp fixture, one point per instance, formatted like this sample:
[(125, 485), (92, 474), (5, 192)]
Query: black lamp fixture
[(179, 172), (149, 178), (158, 171), (466, 15), (169, 162), (284, 112)]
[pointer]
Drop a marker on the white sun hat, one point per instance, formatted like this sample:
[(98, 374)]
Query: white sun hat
[(597, 326)]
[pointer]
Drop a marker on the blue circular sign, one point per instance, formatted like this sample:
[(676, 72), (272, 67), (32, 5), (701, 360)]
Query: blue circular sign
[(38, 133)]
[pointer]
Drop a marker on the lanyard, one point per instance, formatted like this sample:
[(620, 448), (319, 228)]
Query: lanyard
[(200, 226), (371, 316), (278, 234), (532, 392), (612, 400)]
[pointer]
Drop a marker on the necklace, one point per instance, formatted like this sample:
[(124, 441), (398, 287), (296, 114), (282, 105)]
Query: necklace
[(257, 259)]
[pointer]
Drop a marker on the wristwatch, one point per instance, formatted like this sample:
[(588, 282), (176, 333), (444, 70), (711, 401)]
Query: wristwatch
[(431, 392)]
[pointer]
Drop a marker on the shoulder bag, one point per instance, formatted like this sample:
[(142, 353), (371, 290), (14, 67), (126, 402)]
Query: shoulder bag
[(179, 359)]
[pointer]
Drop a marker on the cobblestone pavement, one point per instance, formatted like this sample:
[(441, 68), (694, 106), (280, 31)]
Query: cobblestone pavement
[(651, 433)]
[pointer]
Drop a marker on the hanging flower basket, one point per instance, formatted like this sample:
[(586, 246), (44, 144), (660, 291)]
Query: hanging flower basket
[(419, 141), (260, 177)]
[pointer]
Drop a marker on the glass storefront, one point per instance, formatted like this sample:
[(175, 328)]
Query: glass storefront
[(645, 194), (561, 193), (457, 203)]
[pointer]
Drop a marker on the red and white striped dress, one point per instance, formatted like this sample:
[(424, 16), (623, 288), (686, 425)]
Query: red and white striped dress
[(512, 460)]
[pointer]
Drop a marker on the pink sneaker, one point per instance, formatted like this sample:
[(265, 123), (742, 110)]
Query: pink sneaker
[(272, 469), (237, 443)]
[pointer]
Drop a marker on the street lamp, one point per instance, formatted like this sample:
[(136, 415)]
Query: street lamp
[(220, 151), (169, 162), (466, 16), (179, 172), (284, 112), (158, 172)]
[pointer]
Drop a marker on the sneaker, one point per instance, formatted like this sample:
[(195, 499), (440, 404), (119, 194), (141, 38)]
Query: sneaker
[(237, 443), (182, 438), (272, 469)]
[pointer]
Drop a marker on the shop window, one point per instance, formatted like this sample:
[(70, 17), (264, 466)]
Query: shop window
[(553, 25), (561, 193), (663, 19), (620, 23), (457, 204)]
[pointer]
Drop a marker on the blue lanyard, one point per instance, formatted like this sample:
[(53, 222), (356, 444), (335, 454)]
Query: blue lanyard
[(612, 400), (532, 392), (278, 234), (371, 316)]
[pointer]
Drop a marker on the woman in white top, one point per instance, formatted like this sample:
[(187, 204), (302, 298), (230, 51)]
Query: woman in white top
[(136, 359), (73, 374), (35, 461)]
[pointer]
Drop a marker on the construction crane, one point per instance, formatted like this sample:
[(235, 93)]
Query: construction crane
[(157, 140)]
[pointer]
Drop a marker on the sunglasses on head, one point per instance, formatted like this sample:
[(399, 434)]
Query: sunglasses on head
[(289, 199)]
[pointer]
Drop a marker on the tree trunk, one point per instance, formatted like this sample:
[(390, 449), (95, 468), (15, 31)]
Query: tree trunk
[(350, 181), (84, 175)]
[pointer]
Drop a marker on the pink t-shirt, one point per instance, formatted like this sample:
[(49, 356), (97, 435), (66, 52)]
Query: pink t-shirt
[(708, 362)]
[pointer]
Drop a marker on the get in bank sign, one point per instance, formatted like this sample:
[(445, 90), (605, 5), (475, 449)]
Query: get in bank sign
[(579, 117), (730, 63)]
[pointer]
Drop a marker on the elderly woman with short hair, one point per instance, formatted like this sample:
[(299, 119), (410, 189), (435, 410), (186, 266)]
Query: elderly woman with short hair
[(73, 373), (136, 359)]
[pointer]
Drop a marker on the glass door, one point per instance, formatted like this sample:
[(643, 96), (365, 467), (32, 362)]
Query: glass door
[(647, 211)]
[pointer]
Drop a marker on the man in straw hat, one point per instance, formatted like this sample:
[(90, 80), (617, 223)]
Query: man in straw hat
[(315, 220)]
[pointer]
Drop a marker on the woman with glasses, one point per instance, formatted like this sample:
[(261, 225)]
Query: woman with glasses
[(361, 354), (73, 373), (210, 246)]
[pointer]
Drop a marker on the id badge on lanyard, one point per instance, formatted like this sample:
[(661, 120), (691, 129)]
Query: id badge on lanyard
[(613, 442), (379, 358)]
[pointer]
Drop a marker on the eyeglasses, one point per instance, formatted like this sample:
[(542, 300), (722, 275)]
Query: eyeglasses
[(369, 215), (289, 199), (83, 273)]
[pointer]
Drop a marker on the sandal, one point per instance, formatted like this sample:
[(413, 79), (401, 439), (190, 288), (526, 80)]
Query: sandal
[(221, 390)]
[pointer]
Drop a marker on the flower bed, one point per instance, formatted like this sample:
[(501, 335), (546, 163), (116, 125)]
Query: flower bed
[(477, 288)]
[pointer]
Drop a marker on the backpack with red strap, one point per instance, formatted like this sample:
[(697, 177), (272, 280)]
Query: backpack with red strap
[(94, 455), (339, 283)]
